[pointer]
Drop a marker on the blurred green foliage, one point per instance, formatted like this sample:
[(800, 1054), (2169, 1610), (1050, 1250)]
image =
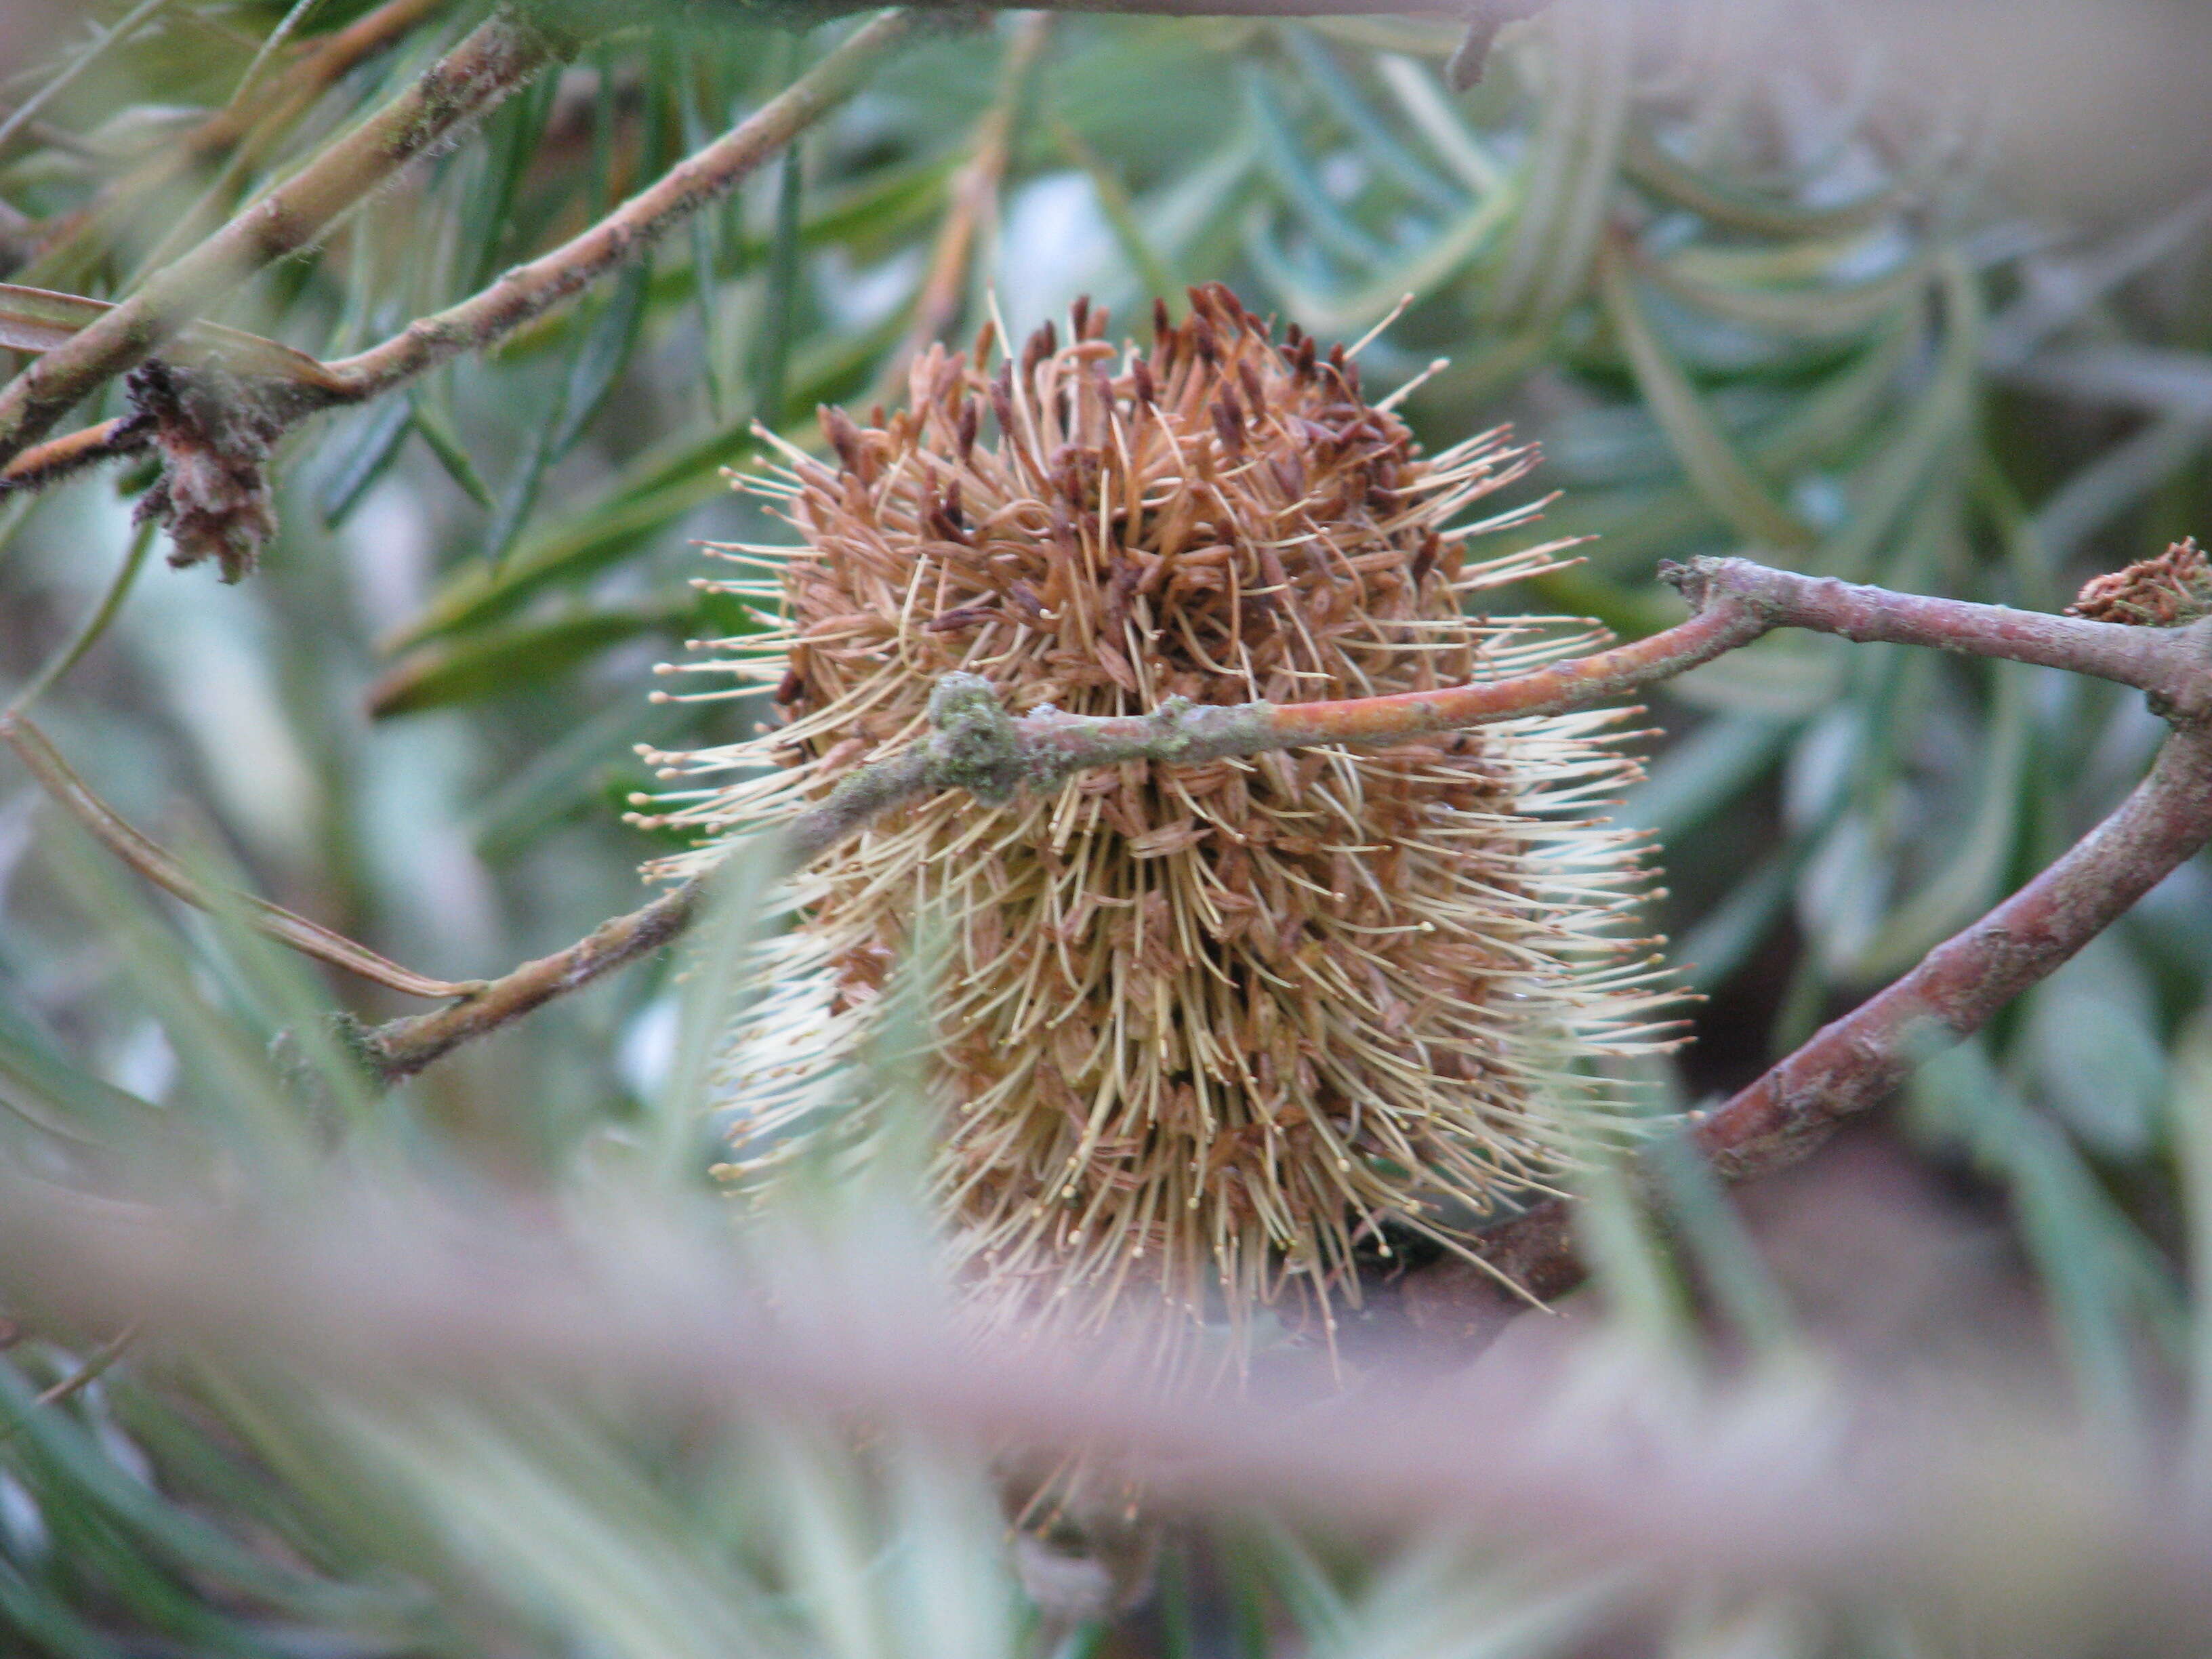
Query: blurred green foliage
[(1746, 285)]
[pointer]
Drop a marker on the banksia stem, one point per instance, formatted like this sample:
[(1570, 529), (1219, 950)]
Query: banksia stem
[(1206, 1030)]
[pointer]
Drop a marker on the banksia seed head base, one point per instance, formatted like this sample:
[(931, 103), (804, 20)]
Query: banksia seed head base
[(1203, 1027)]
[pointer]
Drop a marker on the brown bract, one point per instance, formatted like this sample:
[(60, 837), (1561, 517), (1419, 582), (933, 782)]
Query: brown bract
[(2166, 592), (1209, 1030)]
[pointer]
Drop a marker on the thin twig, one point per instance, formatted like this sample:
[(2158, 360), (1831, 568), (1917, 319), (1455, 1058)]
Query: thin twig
[(530, 290), (90, 1370), (978, 747), (402, 1047), (310, 938), (273, 106), (50, 462), (505, 51)]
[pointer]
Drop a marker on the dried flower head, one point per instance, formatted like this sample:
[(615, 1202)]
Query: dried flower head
[(2167, 592), (1205, 1028)]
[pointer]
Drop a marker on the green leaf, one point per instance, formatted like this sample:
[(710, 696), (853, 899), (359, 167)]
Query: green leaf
[(1329, 77), (653, 491), (1721, 474), (371, 445), (1692, 780), (2107, 1282), (503, 662), (779, 312), (2092, 1038), (570, 773), (1283, 155), (440, 438), (55, 1096), (1805, 311), (1971, 877), (602, 353)]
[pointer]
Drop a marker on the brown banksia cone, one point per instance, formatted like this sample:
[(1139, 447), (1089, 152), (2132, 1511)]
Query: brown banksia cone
[(1207, 1032)]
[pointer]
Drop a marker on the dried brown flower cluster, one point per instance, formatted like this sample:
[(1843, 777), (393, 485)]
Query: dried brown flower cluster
[(1205, 1029), (2166, 592)]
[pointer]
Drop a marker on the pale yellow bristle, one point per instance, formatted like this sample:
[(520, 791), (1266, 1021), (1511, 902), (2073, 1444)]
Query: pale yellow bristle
[(1204, 1027)]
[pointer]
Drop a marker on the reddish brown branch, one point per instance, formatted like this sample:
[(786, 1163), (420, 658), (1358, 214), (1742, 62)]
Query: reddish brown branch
[(71, 794), (404, 1047), (499, 55), (1861, 1059), (529, 291), (55, 459), (270, 107), (978, 747)]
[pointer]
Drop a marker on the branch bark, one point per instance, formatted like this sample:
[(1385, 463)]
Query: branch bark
[(978, 747), (498, 56), (530, 290), (309, 939), (271, 106), (1861, 1059)]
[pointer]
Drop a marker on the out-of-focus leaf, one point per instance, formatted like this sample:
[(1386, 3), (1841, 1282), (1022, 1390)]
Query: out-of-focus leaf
[(1811, 312), (440, 438), (1642, 1285), (1139, 246), (1571, 178), (2117, 480), (2107, 1281), (1737, 208), (1934, 430), (569, 774), (1333, 312), (1971, 878), (1304, 1585), (1422, 97), (63, 1452), (1283, 153), (519, 499), (2092, 1037), (1784, 677), (1710, 953), (1720, 471), (1692, 780), (1843, 892), (503, 662), (1369, 131), (40, 1085), (1727, 1260), (372, 445), (770, 356), (605, 353), (516, 133), (656, 489)]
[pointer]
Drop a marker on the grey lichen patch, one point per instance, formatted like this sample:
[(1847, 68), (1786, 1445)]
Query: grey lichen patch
[(978, 747)]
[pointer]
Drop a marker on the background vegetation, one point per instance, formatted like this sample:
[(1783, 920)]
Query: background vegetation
[(1753, 276)]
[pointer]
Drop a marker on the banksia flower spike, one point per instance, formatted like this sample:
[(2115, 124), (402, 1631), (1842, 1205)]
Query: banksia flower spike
[(1209, 1030)]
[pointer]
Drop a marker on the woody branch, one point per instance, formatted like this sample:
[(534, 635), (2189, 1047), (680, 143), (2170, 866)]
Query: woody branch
[(499, 55), (498, 58), (504, 54), (980, 748)]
